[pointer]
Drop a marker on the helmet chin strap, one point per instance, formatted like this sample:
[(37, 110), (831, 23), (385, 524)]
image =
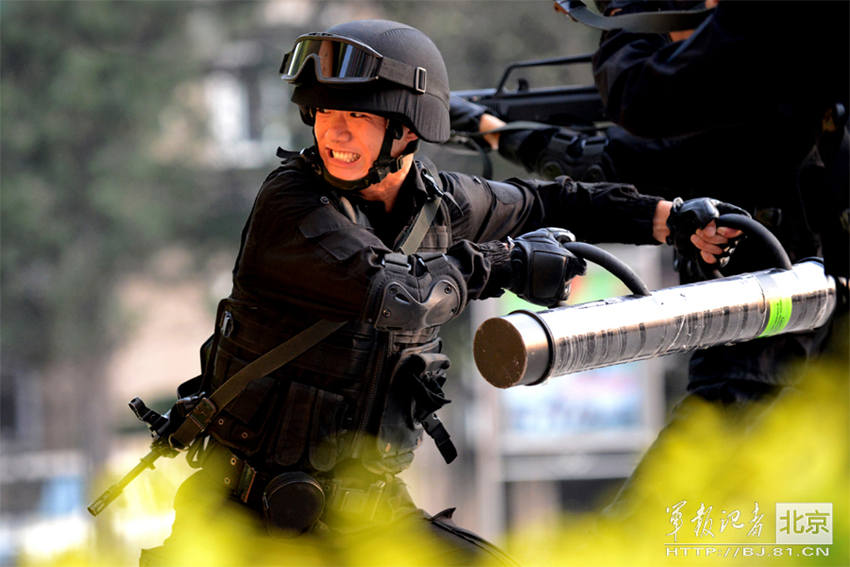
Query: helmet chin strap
[(383, 165)]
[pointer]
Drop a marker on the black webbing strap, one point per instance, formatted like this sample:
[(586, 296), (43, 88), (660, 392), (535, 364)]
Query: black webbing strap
[(200, 417), (405, 74), (208, 407), (643, 22), (515, 126), (412, 237), (438, 432)]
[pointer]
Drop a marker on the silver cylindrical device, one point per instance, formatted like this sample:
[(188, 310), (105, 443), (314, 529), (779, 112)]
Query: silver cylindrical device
[(527, 348)]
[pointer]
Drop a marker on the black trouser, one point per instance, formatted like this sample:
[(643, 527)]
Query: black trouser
[(750, 370), (741, 383), (212, 529)]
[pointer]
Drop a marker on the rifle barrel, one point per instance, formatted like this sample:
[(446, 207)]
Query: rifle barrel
[(116, 489)]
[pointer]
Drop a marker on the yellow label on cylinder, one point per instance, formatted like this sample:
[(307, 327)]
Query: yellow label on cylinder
[(779, 314)]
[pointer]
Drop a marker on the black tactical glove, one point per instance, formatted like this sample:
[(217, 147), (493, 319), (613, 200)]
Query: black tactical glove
[(687, 216), (555, 151), (542, 268)]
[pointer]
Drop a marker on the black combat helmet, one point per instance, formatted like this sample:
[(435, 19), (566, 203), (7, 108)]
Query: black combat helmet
[(376, 66)]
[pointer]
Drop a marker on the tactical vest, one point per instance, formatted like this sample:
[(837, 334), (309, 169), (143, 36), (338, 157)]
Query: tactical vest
[(359, 394)]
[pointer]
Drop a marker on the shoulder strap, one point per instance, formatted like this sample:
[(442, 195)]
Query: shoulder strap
[(209, 406), (412, 238)]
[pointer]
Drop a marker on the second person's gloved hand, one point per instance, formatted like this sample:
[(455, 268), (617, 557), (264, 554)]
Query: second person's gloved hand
[(687, 217)]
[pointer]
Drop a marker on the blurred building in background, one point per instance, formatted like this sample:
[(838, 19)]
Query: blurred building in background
[(527, 454)]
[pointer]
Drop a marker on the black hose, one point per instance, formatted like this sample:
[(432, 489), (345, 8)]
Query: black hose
[(611, 263), (632, 281)]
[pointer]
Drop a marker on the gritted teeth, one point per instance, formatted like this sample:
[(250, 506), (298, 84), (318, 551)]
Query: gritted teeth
[(344, 156)]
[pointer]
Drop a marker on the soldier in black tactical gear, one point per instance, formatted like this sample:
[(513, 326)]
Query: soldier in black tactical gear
[(750, 107), (353, 256), (754, 101), (744, 102)]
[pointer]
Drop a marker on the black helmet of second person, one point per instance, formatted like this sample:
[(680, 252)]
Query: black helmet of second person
[(376, 66)]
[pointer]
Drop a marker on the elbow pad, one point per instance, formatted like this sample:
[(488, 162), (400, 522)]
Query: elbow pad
[(405, 296)]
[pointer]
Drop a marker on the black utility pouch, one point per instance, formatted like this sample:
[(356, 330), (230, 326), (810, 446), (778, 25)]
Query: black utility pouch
[(414, 395), (242, 425), (312, 428), (293, 502)]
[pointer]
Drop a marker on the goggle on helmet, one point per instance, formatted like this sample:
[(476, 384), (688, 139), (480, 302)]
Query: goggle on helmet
[(340, 60)]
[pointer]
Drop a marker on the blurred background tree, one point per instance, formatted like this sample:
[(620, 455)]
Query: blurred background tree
[(87, 194), (82, 92)]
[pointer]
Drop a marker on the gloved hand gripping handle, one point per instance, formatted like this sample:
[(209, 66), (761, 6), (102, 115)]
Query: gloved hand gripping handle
[(754, 228)]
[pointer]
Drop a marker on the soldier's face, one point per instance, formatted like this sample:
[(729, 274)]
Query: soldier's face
[(349, 142)]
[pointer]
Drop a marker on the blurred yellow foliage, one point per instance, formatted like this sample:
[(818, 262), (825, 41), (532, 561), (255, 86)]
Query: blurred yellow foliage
[(708, 487)]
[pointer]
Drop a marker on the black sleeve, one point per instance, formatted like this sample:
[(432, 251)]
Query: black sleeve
[(299, 250), (465, 115), (594, 212), (746, 59), (655, 87)]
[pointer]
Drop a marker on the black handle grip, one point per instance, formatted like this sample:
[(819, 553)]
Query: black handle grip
[(611, 263), (632, 281)]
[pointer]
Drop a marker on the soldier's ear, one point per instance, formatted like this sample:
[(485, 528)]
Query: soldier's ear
[(408, 135)]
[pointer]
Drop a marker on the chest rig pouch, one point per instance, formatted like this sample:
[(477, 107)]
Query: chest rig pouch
[(415, 394)]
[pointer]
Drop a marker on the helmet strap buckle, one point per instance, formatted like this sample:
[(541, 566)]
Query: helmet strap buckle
[(420, 80)]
